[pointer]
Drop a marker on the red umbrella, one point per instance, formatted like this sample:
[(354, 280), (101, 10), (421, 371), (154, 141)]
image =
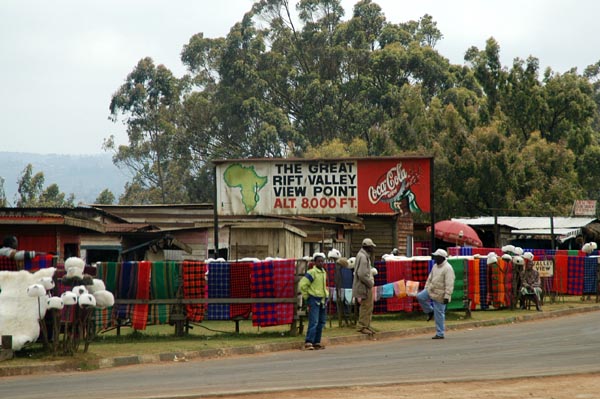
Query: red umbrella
[(456, 232)]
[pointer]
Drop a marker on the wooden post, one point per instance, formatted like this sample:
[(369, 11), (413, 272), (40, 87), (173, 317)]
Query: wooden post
[(6, 353)]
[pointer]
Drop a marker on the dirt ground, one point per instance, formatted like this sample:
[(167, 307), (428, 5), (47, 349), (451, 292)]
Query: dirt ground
[(578, 386)]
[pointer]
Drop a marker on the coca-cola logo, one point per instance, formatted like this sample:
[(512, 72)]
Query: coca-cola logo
[(389, 184)]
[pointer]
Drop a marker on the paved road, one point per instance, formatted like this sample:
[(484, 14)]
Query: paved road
[(553, 346)]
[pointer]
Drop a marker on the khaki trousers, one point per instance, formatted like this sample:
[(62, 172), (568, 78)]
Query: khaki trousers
[(365, 312)]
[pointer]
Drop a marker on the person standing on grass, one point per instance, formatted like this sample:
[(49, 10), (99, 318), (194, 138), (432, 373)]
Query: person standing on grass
[(438, 291), (313, 286), (362, 286)]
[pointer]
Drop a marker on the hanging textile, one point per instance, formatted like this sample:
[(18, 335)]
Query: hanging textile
[(218, 287), (272, 279), (497, 274), (240, 288), (380, 306), (126, 289), (139, 315), (575, 275), (262, 286), (473, 291), (38, 262), (194, 287), (8, 264), (590, 275), (396, 271), (458, 295), (163, 285), (107, 272), (284, 271), (561, 272), (483, 283)]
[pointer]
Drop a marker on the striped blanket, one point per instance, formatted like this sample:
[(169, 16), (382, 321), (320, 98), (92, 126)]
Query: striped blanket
[(139, 315), (107, 272), (163, 285)]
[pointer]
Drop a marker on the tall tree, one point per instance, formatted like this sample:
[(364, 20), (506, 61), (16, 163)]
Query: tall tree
[(3, 200), (29, 187), (106, 197), (31, 192), (150, 103)]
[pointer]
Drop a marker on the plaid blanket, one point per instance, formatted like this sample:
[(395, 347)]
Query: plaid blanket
[(240, 288), (263, 286), (396, 271), (483, 283), (194, 286), (8, 264), (575, 275), (139, 316), (163, 285), (284, 271), (381, 279), (272, 279), (39, 262), (218, 287), (420, 272), (590, 275)]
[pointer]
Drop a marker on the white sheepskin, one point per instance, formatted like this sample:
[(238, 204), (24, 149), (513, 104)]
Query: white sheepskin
[(74, 267), (20, 313), (69, 298), (79, 290), (351, 262), (36, 290), (47, 282), (86, 300), (104, 299), (55, 303), (334, 254), (97, 285)]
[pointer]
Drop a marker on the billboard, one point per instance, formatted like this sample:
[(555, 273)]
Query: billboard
[(329, 186)]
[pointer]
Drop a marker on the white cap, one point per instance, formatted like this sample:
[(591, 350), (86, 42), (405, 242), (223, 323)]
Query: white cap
[(440, 252), (528, 255), (334, 254), (518, 260), (318, 254), (367, 242)]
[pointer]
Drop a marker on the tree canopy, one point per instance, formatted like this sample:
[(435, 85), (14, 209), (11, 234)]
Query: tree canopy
[(308, 82), (31, 192)]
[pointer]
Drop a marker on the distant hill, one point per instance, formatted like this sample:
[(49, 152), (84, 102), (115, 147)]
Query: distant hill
[(85, 176)]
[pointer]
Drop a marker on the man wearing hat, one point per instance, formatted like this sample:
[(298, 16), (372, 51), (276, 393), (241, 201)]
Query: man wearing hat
[(438, 291), (313, 287), (362, 286)]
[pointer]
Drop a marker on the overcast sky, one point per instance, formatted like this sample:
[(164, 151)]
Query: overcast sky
[(61, 60)]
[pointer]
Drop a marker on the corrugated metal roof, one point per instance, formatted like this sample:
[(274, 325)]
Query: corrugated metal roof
[(525, 222)]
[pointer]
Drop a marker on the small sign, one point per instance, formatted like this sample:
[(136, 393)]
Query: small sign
[(584, 208), (544, 267)]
